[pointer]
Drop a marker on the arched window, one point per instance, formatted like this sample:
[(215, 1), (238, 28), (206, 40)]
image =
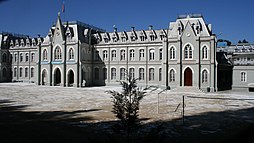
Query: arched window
[(204, 53), (27, 57), (45, 55), (171, 75), (58, 53), (160, 54), (21, 57), (160, 74), (151, 54), (204, 76), (20, 72), (71, 54), (113, 73), (32, 72), (141, 54), (122, 73), (122, 53), (15, 72), (113, 55), (243, 77), (132, 53), (105, 55), (188, 52), (132, 73), (172, 54), (4, 58), (151, 74), (32, 57), (26, 72), (141, 74)]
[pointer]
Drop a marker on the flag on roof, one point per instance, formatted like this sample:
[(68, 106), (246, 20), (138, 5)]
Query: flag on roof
[(63, 7)]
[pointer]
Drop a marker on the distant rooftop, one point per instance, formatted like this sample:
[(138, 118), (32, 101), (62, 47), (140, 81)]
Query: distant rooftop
[(14, 34), (190, 16)]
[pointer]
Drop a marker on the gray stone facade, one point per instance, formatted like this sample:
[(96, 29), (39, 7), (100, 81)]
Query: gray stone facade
[(78, 54)]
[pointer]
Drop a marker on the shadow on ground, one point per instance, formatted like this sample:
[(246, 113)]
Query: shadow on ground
[(17, 125)]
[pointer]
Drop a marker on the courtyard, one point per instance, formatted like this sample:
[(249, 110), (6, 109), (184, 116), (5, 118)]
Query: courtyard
[(59, 114)]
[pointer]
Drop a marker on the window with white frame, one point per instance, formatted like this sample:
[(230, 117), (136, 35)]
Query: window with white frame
[(172, 53), (113, 55), (204, 53), (71, 54), (243, 77), (105, 55), (160, 53), (32, 57), (204, 76), (58, 53), (20, 72), (45, 55), (141, 54), (26, 72), (172, 75), (151, 54), (122, 55), (151, 74), (122, 73), (132, 73), (188, 52), (132, 54), (141, 74), (27, 57), (113, 73), (20, 57), (32, 72), (15, 72)]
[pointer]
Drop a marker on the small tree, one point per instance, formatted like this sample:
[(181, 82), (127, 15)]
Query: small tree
[(126, 103)]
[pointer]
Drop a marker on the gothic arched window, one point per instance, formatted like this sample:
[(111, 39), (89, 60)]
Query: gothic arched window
[(58, 53)]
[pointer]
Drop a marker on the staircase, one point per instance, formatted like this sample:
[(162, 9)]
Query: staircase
[(187, 89)]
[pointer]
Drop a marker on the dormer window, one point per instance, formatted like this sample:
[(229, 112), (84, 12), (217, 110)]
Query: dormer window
[(123, 39), (17, 42), (152, 37), (11, 44), (142, 38), (106, 40)]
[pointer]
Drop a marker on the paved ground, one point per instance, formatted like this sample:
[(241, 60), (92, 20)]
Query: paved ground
[(66, 114)]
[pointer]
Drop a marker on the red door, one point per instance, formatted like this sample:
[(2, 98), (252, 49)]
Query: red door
[(188, 77)]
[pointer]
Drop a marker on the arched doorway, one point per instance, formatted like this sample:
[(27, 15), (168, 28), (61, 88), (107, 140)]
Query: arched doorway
[(188, 77), (70, 78), (44, 77), (57, 79)]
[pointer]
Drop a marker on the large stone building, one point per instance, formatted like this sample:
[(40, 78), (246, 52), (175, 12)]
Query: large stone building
[(78, 54)]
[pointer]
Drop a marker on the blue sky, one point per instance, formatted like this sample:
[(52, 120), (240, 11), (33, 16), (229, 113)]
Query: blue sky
[(234, 19)]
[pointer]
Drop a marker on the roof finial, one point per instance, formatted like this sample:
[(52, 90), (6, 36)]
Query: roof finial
[(59, 14)]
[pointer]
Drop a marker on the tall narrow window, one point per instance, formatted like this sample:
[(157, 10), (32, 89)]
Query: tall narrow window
[(113, 57), (204, 76), (113, 73), (15, 57), (151, 74), (132, 73), (4, 58), (141, 54), (172, 54), (204, 53), (160, 74), (188, 52), (45, 55), (122, 73), (20, 72), (27, 57), (243, 77), (141, 74), (122, 55), (171, 75), (15, 72), (58, 53), (160, 54), (151, 54), (71, 54), (105, 55), (32, 72), (32, 57), (132, 54), (26, 72), (20, 57)]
